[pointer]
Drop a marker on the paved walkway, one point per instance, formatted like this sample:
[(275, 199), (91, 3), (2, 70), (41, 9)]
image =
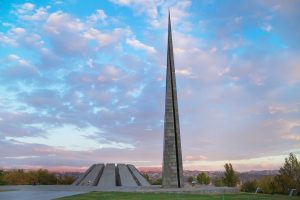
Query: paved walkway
[(49, 192), (36, 195)]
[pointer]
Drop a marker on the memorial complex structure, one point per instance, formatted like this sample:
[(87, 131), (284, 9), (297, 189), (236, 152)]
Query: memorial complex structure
[(111, 175), (172, 171)]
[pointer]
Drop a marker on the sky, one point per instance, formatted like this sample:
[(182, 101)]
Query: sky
[(83, 82)]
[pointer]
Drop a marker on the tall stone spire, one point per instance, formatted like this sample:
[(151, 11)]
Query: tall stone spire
[(172, 174)]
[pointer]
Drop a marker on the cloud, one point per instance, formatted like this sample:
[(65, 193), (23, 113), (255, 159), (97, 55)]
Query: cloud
[(139, 45), (40, 14), (122, 2), (292, 132), (84, 139), (105, 39), (13, 57), (281, 109), (65, 32), (17, 67), (194, 158), (157, 11), (224, 71), (26, 7), (147, 7), (30, 12), (6, 40), (18, 125), (49, 60), (70, 35), (18, 31), (292, 137), (109, 72), (42, 98), (205, 65), (19, 36), (59, 22), (99, 16), (184, 72), (136, 92), (267, 27)]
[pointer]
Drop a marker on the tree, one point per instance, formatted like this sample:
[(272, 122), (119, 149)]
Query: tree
[(45, 178), (190, 179), (41, 176), (203, 179), (231, 179), (289, 175), (291, 168)]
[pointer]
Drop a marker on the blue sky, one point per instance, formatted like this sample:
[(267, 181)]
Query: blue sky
[(84, 82)]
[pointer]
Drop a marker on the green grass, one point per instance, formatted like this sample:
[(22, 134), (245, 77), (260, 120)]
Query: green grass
[(173, 196)]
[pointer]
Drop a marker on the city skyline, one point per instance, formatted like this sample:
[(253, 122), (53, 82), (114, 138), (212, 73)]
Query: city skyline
[(82, 83)]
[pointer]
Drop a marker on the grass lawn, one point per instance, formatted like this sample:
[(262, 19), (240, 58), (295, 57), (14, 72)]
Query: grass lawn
[(172, 196)]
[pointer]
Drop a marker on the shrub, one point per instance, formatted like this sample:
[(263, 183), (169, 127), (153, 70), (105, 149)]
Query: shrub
[(2, 182), (267, 185), (190, 179), (218, 182), (249, 186), (156, 181), (147, 177)]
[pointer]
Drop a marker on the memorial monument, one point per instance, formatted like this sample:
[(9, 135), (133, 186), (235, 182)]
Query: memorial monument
[(172, 172)]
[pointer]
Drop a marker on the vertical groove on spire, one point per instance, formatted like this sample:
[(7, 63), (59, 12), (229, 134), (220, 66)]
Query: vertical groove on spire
[(170, 49)]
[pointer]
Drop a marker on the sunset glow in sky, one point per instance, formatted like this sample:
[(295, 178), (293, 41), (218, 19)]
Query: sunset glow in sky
[(83, 82)]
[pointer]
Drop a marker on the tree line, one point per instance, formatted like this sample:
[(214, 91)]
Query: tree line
[(33, 177), (287, 179), (230, 178)]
